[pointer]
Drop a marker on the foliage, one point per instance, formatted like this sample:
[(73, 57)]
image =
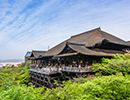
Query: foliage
[(118, 64), (14, 76), (101, 88), (14, 83), (21, 92)]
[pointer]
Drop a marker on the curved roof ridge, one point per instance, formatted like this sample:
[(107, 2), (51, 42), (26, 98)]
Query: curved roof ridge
[(95, 29), (87, 51), (56, 49), (38, 51), (111, 37), (76, 43)]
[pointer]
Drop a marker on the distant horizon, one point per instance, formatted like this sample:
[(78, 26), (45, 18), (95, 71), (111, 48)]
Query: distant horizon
[(27, 25), (11, 60)]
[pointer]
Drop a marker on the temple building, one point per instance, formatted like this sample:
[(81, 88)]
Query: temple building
[(74, 56)]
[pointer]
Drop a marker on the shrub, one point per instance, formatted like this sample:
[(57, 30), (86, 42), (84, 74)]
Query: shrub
[(114, 87), (118, 64), (21, 92), (101, 88), (14, 76), (13, 84)]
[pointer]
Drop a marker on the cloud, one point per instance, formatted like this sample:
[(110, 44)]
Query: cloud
[(37, 24)]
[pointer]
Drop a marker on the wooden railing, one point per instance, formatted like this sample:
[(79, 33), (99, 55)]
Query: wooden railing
[(47, 70), (35, 65), (53, 69), (75, 69)]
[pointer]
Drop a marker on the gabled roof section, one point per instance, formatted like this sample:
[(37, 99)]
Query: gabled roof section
[(38, 54), (92, 37), (83, 50), (128, 42), (112, 38), (89, 39), (56, 50), (28, 54)]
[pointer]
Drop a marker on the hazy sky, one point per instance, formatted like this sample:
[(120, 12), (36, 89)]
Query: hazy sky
[(39, 24)]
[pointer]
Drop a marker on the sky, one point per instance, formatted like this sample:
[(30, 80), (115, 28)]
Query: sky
[(27, 25)]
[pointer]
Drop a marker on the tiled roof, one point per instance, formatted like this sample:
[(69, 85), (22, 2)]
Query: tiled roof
[(89, 39)]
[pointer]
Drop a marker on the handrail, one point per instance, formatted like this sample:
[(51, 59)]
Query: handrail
[(46, 70), (75, 69), (59, 69)]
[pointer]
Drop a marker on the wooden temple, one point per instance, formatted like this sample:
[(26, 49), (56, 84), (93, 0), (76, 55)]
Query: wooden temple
[(73, 57)]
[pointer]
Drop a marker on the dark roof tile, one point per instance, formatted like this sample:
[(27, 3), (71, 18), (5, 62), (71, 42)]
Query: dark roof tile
[(89, 38)]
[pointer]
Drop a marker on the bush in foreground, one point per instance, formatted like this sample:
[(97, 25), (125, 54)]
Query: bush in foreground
[(21, 92), (118, 64), (101, 88), (112, 87), (14, 76), (14, 84)]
